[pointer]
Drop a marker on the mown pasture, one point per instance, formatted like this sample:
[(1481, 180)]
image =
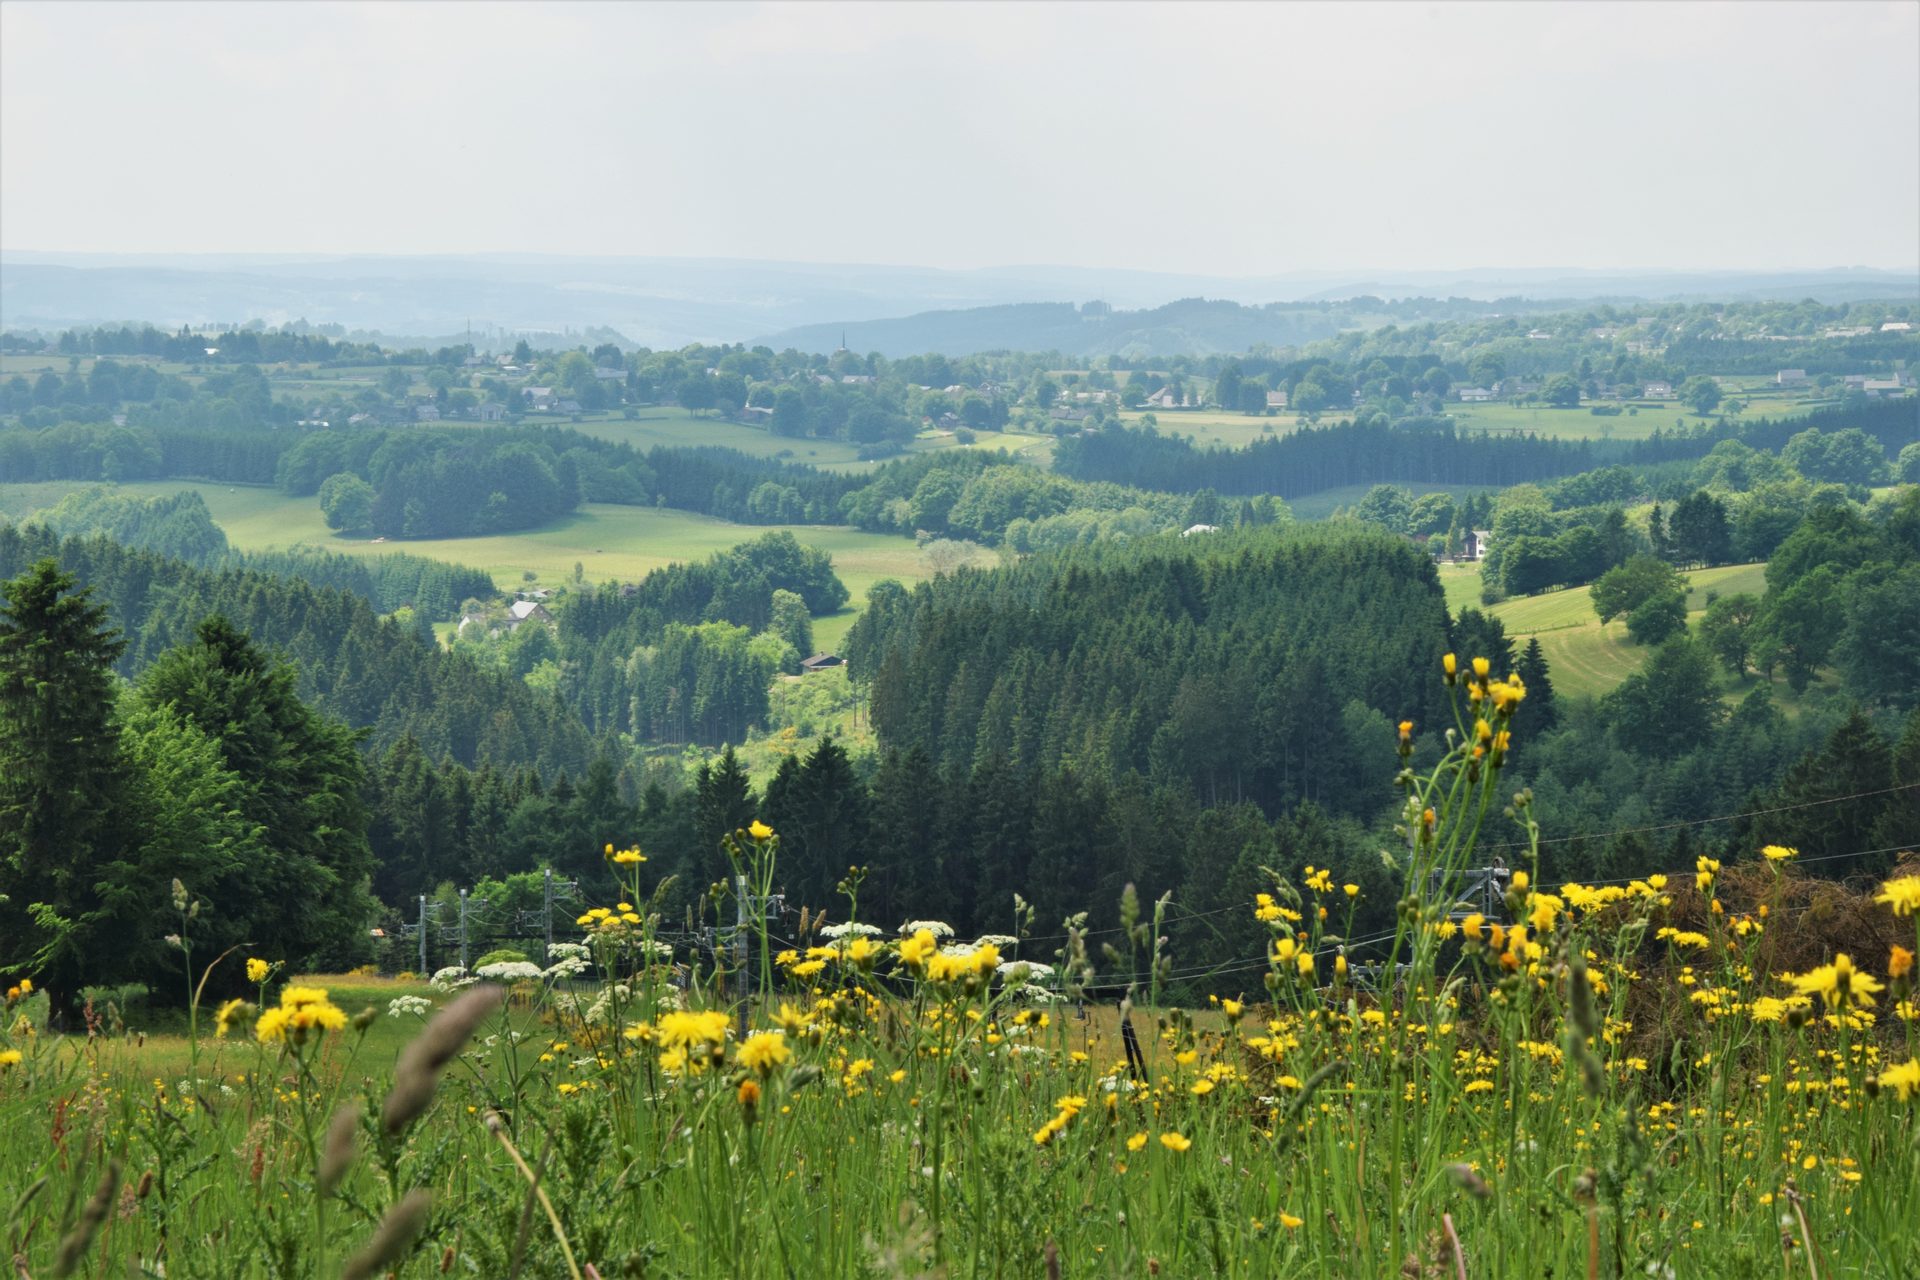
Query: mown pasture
[(609, 543)]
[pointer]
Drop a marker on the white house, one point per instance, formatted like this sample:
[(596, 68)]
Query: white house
[(1896, 326), (1475, 395), (1789, 377)]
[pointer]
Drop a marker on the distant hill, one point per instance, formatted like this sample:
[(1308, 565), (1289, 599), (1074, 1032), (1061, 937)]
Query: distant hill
[(1191, 326), (669, 302)]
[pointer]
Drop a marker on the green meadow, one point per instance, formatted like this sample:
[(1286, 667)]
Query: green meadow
[(677, 428), (1586, 658), (609, 543)]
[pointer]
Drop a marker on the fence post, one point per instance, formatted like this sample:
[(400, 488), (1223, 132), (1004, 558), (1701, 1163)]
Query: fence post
[(740, 946), (463, 928), (547, 918), (423, 936)]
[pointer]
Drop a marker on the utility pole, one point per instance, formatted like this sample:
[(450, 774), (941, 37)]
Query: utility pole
[(548, 917), (423, 936), (463, 928)]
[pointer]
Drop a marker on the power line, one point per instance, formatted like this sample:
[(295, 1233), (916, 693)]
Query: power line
[(1697, 822)]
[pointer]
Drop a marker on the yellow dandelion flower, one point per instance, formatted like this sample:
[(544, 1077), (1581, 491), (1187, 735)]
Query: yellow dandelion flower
[(759, 830), (229, 1011), (1778, 853), (687, 1031), (1902, 895), (763, 1052), (257, 970), (1904, 1079), (1839, 984)]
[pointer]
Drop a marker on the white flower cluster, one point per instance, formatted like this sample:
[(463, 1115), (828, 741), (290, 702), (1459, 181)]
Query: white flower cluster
[(566, 966), (568, 951), (852, 928), (510, 971), (409, 1006), (1034, 971), (451, 978), (654, 949), (1000, 940), (938, 928)]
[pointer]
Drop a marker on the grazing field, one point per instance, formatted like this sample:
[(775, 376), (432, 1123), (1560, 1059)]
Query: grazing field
[(1214, 427), (610, 543), (1461, 582), (1587, 659), (676, 428), (1662, 1078)]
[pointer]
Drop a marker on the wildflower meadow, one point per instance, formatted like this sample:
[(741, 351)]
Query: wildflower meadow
[(1662, 1077)]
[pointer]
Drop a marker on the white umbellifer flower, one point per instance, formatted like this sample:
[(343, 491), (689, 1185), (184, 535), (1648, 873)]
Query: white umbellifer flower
[(451, 978), (654, 949), (566, 967), (1000, 940), (568, 951), (1035, 971), (938, 928), (849, 929), (405, 1006), (510, 971)]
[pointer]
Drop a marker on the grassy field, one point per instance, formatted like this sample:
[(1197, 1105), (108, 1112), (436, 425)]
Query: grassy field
[(1651, 1080), (1461, 582), (1236, 430), (1587, 659), (1214, 427), (610, 543), (676, 428)]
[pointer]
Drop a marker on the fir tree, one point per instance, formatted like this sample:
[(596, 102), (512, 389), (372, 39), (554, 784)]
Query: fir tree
[(1540, 711), (60, 774)]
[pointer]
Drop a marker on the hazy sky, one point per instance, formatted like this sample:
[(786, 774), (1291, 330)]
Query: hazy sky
[(1235, 139)]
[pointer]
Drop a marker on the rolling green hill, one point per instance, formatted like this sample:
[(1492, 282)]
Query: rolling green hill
[(1587, 659), (610, 543)]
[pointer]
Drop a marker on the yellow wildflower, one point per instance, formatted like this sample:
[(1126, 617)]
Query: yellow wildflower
[(1778, 853), (1135, 1143), (914, 951), (257, 970), (763, 1051), (759, 830), (1904, 1079), (229, 1011), (12, 1057), (1903, 895), (1175, 1142), (1290, 1222), (688, 1031), (1839, 984), (301, 1010)]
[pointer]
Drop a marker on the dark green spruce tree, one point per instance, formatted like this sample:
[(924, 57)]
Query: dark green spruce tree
[(60, 776), (302, 784)]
